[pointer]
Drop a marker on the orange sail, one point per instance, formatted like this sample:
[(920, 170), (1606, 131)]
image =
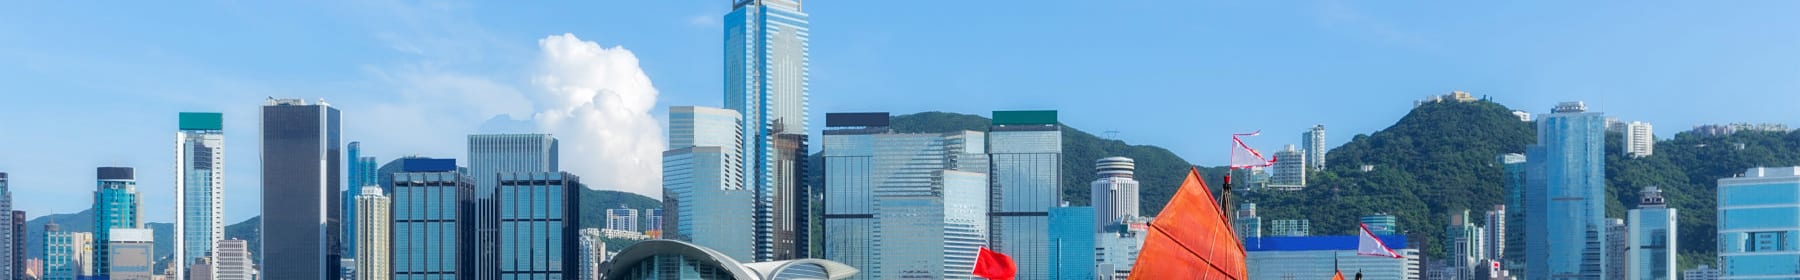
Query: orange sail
[(1191, 239)]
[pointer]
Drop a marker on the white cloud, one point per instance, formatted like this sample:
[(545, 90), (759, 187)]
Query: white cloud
[(597, 101), (704, 20)]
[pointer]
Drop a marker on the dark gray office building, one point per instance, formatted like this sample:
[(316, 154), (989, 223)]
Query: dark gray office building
[(301, 167)]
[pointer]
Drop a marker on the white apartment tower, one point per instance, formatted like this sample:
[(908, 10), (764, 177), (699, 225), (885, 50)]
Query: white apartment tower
[(1639, 140), (372, 234)]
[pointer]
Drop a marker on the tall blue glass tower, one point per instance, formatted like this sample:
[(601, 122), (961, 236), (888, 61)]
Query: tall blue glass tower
[(766, 47), (116, 206), (1565, 196), (362, 172)]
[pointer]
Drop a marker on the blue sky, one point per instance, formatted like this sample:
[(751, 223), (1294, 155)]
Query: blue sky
[(86, 84)]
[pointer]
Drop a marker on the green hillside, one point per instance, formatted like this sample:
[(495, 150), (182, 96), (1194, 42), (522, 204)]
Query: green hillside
[(1437, 159), (1688, 169)]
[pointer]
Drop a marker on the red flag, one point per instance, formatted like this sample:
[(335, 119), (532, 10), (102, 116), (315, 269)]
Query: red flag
[(994, 265)]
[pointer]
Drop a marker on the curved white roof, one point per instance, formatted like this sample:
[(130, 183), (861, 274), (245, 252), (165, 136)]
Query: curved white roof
[(641, 251)]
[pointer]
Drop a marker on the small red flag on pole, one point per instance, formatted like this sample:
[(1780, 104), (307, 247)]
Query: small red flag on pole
[(995, 266)]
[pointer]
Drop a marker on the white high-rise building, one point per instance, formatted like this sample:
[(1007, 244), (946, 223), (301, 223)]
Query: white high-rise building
[(622, 219), (1639, 141), (372, 235), (234, 261), (1290, 169), (1290, 228), (1115, 193), (1494, 234), (591, 254), (1652, 238), (1313, 143), (199, 189)]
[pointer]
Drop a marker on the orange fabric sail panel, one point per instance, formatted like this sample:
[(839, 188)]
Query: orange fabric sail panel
[(1191, 239)]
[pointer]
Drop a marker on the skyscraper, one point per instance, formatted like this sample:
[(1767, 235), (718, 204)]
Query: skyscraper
[(8, 261), (374, 257), (384, 176), (905, 205), (116, 206), (1617, 240), (362, 173), (433, 233), (300, 180), (539, 216), (1072, 245), (622, 219), (703, 182), (1114, 193), (1312, 142), (1463, 245), (1652, 238), (199, 187), (18, 244), (766, 61), (234, 261), (1565, 191), (489, 156), (131, 254), (1289, 170), (1756, 217), (1494, 234), (1025, 152), (1639, 141), (592, 253), (1514, 238)]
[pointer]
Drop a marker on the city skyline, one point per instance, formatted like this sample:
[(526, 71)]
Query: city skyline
[(400, 62)]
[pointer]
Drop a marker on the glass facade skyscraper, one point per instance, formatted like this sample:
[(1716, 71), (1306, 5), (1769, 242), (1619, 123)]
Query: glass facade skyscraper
[(1758, 221), (1072, 247), (433, 232), (489, 156), (703, 182), (199, 188), (362, 173), (539, 225), (1025, 151), (1565, 192), (766, 81), (1652, 238), (1514, 237), (116, 206), (301, 173), (904, 205)]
